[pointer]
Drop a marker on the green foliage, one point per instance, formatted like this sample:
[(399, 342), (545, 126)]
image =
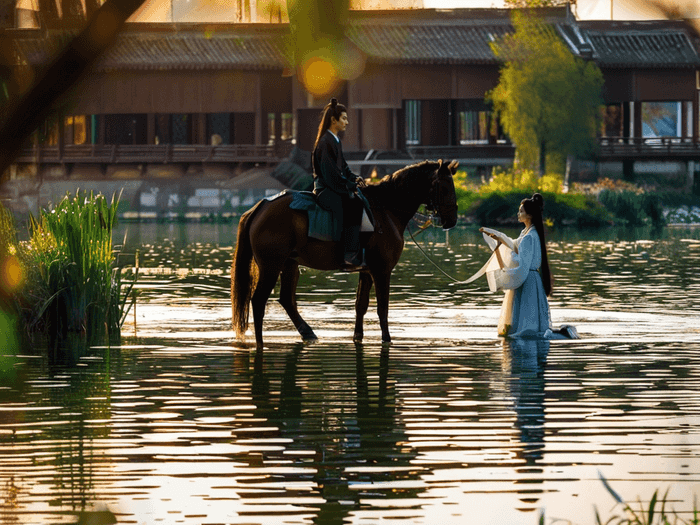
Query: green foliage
[(546, 96), (497, 201), (522, 179), (561, 209), (73, 286), (632, 208)]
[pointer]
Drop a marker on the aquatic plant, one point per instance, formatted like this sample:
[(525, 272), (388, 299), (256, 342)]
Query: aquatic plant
[(655, 513), (73, 285)]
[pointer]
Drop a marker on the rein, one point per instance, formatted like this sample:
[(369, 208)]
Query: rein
[(422, 228)]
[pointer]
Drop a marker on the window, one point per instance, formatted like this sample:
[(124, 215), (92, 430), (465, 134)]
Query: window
[(75, 129), (48, 133), (271, 128), (612, 120), (661, 119), (287, 131), (474, 127), (181, 128), (413, 123), (125, 129), (219, 128)]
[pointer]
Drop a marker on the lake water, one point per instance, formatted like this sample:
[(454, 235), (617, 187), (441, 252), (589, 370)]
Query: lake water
[(181, 423)]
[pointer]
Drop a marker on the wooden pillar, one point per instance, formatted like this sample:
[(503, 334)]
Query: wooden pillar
[(150, 128), (101, 132), (61, 130), (259, 114), (201, 137), (637, 119)]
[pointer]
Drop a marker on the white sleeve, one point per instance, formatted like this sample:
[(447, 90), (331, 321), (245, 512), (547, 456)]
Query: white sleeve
[(514, 276)]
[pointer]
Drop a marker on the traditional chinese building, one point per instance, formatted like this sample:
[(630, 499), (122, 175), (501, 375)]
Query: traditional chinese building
[(207, 100)]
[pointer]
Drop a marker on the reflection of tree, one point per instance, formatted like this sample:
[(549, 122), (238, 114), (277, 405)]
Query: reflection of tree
[(337, 418), (524, 363)]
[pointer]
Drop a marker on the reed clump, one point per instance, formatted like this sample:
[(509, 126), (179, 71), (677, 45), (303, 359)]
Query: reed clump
[(72, 284)]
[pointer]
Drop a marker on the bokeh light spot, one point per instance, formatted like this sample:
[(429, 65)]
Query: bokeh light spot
[(11, 274), (319, 76)]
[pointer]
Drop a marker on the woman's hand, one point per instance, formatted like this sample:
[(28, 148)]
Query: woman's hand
[(489, 234)]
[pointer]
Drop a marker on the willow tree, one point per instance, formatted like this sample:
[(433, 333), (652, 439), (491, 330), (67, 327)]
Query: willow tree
[(548, 100)]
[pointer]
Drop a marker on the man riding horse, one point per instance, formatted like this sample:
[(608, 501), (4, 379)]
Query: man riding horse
[(336, 187)]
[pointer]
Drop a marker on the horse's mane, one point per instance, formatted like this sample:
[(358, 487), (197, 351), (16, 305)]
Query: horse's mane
[(386, 189)]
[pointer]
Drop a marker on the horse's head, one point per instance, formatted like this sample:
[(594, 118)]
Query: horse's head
[(442, 198)]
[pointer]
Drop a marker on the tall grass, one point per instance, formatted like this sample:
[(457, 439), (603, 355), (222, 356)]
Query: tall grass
[(653, 513), (73, 285)]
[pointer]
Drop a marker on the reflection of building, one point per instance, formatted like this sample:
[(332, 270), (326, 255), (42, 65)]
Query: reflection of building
[(204, 98)]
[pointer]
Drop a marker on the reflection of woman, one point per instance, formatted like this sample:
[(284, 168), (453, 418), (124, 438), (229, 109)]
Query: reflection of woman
[(527, 279), (334, 183)]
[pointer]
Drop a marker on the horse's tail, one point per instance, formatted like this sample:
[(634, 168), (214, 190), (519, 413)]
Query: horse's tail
[(244, 274)]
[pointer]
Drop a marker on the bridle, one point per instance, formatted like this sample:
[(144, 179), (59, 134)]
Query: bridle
[(435, 201)]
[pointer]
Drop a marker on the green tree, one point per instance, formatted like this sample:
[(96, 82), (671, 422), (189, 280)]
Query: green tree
[(549, 101)]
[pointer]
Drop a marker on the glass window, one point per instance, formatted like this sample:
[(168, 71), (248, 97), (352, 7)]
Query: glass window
[(271, 128), (287, 131), (612, 120), (79, 129), (181, 128), (219, 128), (661, 119), (413, 123), (474, 127)]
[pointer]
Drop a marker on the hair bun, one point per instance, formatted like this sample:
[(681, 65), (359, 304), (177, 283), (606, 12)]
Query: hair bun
[(334, 102), (538, 200)]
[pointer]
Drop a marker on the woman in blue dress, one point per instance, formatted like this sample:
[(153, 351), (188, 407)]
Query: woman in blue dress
[(527, 280)]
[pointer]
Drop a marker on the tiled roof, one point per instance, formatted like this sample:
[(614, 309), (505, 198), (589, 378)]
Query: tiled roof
[(429, 44), (632, 48), (640, 44), (201, 49), (194, 48), (455, 37)]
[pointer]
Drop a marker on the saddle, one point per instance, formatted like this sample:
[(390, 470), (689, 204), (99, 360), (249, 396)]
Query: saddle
[(323, 225)]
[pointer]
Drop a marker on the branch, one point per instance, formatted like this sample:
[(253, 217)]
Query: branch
[(31, 109)]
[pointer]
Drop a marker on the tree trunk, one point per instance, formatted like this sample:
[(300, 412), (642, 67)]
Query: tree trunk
[(543, 157)]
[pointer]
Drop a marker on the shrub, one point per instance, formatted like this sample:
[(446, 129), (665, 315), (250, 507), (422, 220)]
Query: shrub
[(633, 208), (522, 179)]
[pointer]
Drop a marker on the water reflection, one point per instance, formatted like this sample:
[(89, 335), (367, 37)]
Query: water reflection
[(524, 362), (448, 425), (335, 416)]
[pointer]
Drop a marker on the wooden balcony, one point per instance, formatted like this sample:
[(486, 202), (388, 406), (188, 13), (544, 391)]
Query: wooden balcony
[(626, 148), (152, 153)]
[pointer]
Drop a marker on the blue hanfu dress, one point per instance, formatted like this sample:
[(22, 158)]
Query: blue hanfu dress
[(525, 309)]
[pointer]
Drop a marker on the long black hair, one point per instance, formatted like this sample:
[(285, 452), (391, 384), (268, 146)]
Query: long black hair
[(534, 207), (332, 109)]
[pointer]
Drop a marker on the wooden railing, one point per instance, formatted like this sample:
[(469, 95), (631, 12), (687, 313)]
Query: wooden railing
[(160, 153), (635, 147)]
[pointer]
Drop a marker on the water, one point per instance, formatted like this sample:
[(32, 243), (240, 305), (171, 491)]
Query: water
[(183, 424)]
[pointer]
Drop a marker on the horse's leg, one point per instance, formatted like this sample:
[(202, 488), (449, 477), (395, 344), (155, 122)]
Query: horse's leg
[(266, 283), (381, 290), (361, 304), (288, 299)]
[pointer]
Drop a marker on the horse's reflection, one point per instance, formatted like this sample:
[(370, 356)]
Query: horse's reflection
[(338, 421)]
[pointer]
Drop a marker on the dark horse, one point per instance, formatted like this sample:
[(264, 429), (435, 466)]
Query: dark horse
[(273, 239)]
